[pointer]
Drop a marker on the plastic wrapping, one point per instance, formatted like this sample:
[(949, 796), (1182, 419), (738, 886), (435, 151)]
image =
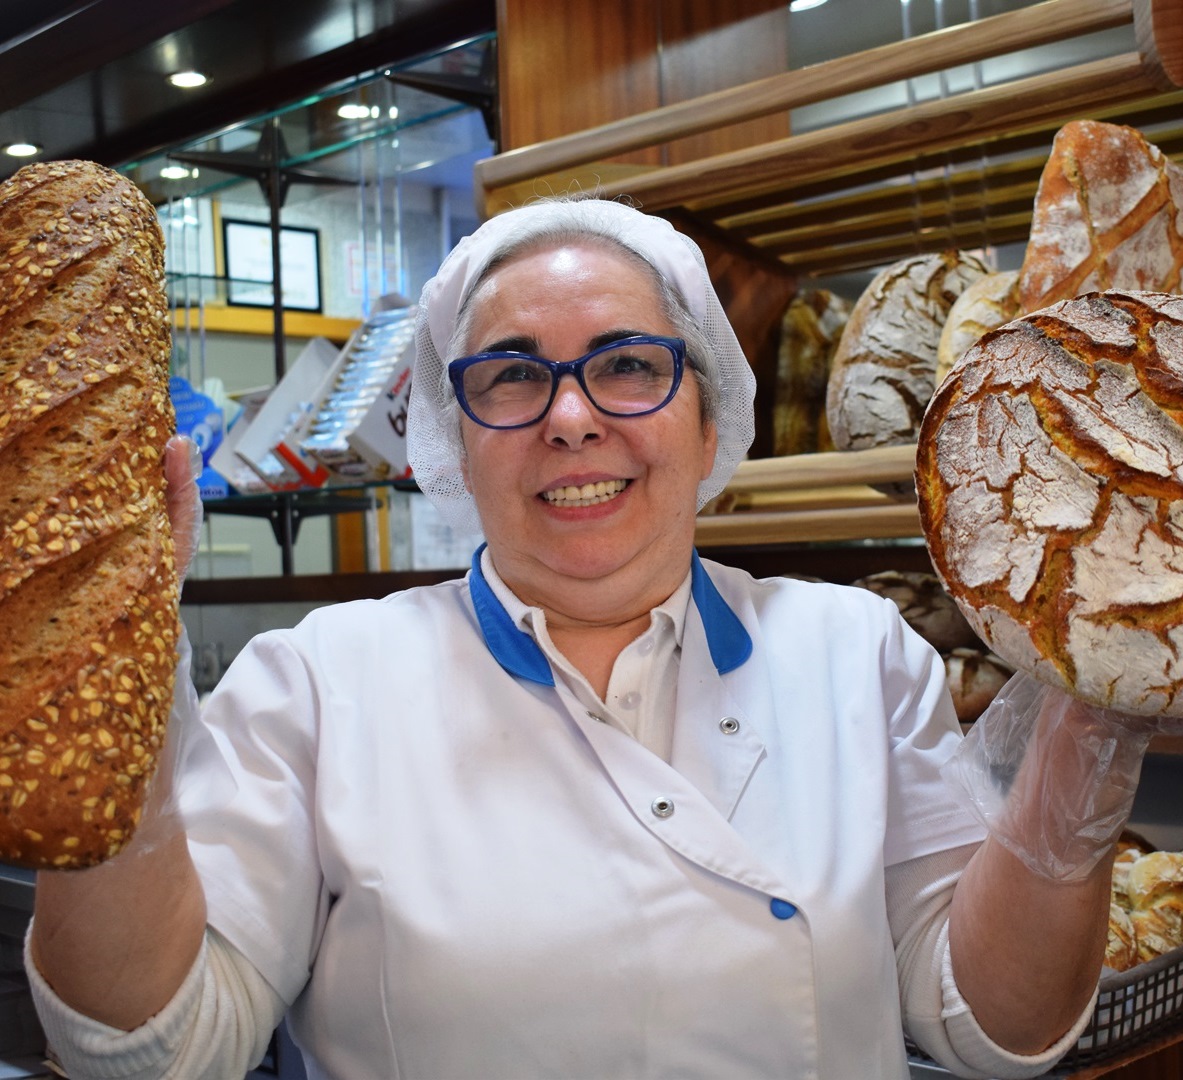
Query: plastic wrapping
[(182, 467), (1052, 778)]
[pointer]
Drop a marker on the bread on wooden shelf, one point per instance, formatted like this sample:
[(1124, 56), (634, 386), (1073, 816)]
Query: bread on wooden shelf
[(810, 330), (88, 586), (884, 370), (984, 305), (1108, 214)]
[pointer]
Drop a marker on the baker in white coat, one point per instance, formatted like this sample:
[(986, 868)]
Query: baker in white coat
[(599, 809)]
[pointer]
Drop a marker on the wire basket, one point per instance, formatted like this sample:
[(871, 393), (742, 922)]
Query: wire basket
[(1133, 1008)]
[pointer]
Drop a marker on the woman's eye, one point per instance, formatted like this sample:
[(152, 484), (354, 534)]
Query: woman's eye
[(627, 364), (517, 373)]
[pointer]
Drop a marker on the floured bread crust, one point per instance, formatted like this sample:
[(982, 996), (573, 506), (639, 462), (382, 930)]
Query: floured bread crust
[(1050, 480), (884, 370), (1108, 214), (985, 305), (88, 586)]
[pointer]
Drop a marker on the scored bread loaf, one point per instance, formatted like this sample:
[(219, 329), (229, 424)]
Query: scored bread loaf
[(884, 369), (1050, 480), (88, 585), (1108, 214)]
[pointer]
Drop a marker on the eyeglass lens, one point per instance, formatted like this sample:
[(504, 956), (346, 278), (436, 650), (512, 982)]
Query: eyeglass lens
[(628, 379)]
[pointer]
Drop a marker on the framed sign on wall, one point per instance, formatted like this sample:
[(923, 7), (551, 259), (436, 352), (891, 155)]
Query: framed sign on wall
[(249, 271)]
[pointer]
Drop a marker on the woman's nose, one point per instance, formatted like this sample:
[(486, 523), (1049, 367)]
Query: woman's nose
[(572, 419)]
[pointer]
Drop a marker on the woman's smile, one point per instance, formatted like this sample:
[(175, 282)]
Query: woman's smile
[(585, 494)]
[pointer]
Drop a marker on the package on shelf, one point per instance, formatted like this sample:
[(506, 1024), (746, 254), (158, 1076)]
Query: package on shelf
[(270, 444), (200, 417), (357, 430), (225, 460)]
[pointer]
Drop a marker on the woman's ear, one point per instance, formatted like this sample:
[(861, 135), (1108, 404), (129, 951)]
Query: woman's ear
[(710, 445)]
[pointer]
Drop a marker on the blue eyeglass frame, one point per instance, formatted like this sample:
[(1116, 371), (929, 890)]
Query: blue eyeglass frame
[(558, 369)]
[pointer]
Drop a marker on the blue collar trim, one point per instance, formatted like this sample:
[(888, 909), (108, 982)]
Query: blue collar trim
[(517, 652), (729, 642), (513, 648)]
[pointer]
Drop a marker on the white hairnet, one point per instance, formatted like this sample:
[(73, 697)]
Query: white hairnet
[(434, 448)]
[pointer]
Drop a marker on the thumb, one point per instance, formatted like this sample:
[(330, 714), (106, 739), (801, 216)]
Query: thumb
[(182, 467)]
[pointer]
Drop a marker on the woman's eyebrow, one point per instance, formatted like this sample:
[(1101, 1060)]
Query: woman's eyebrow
[(521, 343), (609, 336)]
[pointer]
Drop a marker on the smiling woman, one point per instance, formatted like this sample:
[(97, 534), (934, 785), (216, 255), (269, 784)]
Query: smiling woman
[(717, 800)]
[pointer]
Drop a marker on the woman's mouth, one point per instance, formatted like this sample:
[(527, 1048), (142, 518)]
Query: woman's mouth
[(585, 494)]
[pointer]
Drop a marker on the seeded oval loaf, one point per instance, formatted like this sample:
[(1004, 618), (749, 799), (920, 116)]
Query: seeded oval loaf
[(88, 584), (1050, 479)]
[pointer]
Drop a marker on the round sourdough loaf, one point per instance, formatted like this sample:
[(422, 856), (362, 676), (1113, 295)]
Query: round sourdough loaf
[(88, 585), (884, 369), (1050, 479)]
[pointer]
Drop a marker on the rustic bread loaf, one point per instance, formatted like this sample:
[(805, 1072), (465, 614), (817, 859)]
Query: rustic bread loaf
[(884, 370), (985, 305), (88, 585), (924, 605), (1050, 480), (810, 329), (1108, 214), (1121, 944), (1154, 886), (974, 678)]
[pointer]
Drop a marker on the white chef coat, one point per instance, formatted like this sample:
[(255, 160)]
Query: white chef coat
[(494, 884)]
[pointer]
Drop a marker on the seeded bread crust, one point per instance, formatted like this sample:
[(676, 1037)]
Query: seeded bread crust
[(88, 584), (1050, 480)]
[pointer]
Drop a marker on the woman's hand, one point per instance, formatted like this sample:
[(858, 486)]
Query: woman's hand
[(182, 467), (1053, 779)]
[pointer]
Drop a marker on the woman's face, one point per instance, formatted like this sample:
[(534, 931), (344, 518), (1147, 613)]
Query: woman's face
[(558, 303)]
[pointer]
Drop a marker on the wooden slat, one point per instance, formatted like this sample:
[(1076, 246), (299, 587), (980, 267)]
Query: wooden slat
[(1041, 24), (798, 472), (814, 526), (896, 136)]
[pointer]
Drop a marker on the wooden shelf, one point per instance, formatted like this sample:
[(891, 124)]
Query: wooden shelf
[(958, 171)]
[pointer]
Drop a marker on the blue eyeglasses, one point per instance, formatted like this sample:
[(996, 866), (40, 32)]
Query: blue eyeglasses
[(631, 377)]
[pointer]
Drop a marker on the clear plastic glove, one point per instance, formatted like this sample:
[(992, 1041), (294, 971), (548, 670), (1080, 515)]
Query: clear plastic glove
[(182, 467), (1052, 778)]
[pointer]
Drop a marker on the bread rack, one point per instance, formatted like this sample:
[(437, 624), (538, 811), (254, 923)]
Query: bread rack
[(960, 171), (805, 200)]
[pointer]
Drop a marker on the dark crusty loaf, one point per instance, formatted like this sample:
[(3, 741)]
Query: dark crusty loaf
[(884, 370), (809, 334), (1050, 478), (88, 584), (1108, 215)]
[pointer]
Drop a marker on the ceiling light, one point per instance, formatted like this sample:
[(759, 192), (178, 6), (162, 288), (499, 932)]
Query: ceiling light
[(354, 112), (187, 80), (804, 5), (393, 112), (175, 172), (22, 149)]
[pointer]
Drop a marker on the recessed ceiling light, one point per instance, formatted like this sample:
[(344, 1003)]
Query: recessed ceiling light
[(804, 5), (187, 80), (22, 149), (354, 112), (175, 172)]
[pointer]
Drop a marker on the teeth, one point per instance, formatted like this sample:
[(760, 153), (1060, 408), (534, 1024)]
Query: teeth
[(587, 495)]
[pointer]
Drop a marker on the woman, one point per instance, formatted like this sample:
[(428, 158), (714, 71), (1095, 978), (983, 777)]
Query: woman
[(601, 809)]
